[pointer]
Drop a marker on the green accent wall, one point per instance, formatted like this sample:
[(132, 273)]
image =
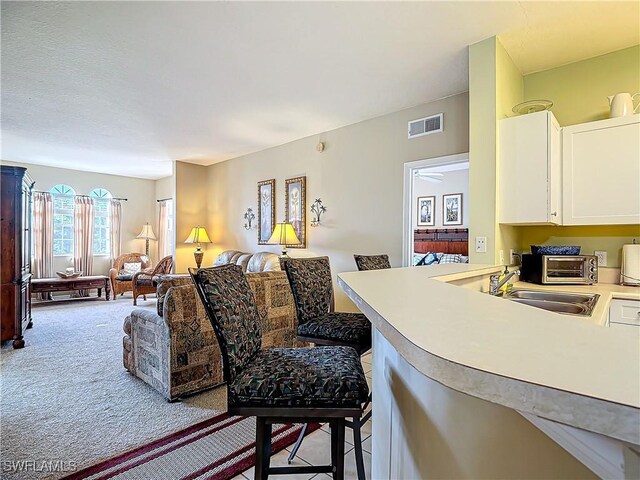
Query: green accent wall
[(579, 90), (495, 85), (482, 148), (609, 238), (509, 92), (579, 93)]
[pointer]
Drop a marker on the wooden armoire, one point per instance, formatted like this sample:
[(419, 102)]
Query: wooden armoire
[(16, 188)]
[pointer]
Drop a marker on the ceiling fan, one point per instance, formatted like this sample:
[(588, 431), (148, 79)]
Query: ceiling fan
[(429, 177)]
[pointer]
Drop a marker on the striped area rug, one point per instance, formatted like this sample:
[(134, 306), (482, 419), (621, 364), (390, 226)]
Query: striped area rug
[(216, 449)]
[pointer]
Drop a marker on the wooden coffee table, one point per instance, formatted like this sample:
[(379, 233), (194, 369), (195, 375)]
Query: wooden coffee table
[(47, 285)]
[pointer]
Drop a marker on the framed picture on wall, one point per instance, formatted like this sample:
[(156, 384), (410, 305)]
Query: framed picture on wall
[(266, 210), (452, 209), (295, 208), (426, 211)]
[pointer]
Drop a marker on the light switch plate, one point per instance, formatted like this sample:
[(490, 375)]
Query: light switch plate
[(481, 244), (602, 257)]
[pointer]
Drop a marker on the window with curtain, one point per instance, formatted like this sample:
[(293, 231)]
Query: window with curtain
[(101, 223), (63, 200), (166, 238), (169, 235)]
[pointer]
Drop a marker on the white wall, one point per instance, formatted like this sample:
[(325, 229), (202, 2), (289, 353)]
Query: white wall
[(359, 178), (165, 188), (452, 182), (139, 208)]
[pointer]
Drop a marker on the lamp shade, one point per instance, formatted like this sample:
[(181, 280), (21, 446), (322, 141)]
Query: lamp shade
[(284, 234), (147, 232), (198, 235)]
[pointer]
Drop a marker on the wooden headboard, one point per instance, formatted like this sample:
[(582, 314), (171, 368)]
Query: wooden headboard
[(445, 240)]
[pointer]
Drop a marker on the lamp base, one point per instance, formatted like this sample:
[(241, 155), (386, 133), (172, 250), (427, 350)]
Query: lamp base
[(197, 255)]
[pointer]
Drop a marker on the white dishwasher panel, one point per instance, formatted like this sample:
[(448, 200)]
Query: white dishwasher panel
[(624, 312)]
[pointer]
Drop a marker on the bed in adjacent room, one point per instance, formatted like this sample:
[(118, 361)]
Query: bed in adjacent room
[(440, 245)]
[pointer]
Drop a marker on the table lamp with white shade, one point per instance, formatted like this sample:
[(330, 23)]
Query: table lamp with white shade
[(284, 234), (198, 236)]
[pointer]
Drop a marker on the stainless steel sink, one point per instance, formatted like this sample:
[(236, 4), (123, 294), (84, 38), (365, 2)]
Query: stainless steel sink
[(581, 304), (550, 296)]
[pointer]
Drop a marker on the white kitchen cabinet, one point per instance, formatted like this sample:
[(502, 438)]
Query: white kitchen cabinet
[(529, 170), (601, 172), (624, 313)]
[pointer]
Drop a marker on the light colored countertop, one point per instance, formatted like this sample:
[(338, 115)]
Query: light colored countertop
[(565, 368)]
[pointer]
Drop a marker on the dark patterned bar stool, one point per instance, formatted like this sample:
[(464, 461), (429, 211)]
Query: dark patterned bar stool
[(312, 288), (372, 262), (279, 385)]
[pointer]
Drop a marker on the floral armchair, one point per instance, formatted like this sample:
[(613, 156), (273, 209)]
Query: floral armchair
[(121, 280)]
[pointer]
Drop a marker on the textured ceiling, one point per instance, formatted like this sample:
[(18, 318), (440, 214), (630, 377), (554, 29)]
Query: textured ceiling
[(126, 87)]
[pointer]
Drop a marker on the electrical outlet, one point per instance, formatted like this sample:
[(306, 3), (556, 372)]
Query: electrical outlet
[(602, 257), (501, 257), (481, 244)]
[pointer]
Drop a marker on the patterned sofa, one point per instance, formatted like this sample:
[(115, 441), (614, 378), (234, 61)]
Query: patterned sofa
[(175, 350)]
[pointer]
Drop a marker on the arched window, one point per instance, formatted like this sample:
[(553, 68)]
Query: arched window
[(101, 224), (63, 219)]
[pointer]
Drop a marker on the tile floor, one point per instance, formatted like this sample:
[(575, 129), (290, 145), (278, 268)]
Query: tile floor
[(315, 450)]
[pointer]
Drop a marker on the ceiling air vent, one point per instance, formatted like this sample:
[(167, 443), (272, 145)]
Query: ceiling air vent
[(425, 126)]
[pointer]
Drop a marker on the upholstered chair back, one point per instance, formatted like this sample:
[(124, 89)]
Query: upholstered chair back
[(263, 262), (372, 262), (310, 280), (141, 258), (231, 308)]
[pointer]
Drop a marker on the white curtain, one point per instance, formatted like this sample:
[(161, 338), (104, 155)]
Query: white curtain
[(162, 230), (115, 227), (42, 237), (83, 215)]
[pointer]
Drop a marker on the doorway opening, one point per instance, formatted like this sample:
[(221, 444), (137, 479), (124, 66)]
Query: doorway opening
[(436, 196)]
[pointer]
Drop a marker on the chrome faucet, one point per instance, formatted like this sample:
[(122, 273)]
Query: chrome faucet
[(495, 283)]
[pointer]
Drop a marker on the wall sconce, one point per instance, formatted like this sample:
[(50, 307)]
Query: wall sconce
[(317, 209), (249, 216)]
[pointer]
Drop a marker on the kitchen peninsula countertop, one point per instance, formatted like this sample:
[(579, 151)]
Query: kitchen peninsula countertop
[(563, 368)]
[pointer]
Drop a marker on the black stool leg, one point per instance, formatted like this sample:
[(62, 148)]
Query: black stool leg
[(263, 448), (294, 450), (337, 448), (357, 443)]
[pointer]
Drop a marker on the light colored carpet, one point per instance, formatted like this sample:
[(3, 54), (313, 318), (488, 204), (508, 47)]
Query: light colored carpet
[(67, 397)]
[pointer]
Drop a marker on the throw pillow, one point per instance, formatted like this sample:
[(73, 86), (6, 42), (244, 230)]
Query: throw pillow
[(132, 267), (451, 258), (429, 259), (416, 258)]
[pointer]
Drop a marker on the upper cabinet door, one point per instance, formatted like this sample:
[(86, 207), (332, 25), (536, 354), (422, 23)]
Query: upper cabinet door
[(601, 172), (529, 170)]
